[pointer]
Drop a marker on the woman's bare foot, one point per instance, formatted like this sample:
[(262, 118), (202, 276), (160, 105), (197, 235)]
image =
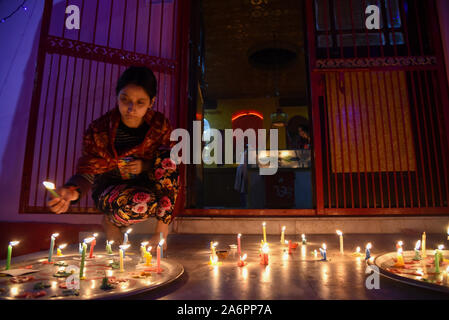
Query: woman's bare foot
[(112, 232)]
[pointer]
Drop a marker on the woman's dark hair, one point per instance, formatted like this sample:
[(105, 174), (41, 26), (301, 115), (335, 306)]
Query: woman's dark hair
[(139, 76)]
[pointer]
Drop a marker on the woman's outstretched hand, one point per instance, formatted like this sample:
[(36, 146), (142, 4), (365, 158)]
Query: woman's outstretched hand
[(62, 204)]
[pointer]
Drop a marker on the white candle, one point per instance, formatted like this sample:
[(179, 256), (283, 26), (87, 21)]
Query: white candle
[(161, 243), (340, 234), (125, 240), (52, 245)]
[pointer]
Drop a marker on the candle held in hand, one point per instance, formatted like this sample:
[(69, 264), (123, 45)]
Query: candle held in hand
[(50, 186)]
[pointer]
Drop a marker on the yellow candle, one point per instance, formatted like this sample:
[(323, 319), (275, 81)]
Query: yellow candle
[(58, 251), (282, 235), (264, 232), (400, 259), (143, 250), (122, 249), (423, 245), (148, 256)]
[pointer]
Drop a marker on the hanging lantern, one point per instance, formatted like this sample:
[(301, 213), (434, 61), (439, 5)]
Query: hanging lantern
[(278, 118)]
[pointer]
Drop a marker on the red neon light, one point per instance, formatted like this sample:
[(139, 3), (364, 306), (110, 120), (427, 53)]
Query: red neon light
[(247, 113)]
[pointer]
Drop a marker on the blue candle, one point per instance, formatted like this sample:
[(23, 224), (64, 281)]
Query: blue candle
[(323, 252), (368, 251), (161, 236), (52, 245)]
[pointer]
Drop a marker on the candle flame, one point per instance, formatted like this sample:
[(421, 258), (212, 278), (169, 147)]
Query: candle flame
[(264, 224), (89, 240), (369, 245), (161, 243), (303, 235), (49, 185), (129, 231), (144, 244), (400, 243), (324, 246), (13, 243), (62, 246), (95, 235), (54, 235), (239, 235), (111, 242), (214, 244), (244, 257), (265, 248), (418, 244), (357, 250), (440, 247), (283, 228), (339, 232), (124, 246), (149, 249)]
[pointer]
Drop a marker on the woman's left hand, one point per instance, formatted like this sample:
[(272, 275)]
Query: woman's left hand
[(135, 167)]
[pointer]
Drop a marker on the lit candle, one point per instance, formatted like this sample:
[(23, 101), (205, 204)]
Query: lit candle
[(340, 234), (51, 188), (148, 257), (92, 245), (52, 245), (83, 257), (264, 232), (125, 235), (417, 256), (161, 243), (121, 256), (108, 246), (315, 253), (241, 261), (58, 251), (368, 251), (400, 259), (447, 233), (8, 257), (304, 241), (161, 237), (264, 254), (213, 255), (323, 252), (143, 249), (399, 245), (437, 260), (239, 250), (423, 245), (282, 235)]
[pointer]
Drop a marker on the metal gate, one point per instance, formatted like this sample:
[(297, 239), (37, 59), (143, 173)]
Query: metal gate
[(76, 75), (379, 100)]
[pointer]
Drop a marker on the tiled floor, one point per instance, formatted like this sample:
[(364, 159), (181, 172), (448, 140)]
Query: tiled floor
[(297, 277)]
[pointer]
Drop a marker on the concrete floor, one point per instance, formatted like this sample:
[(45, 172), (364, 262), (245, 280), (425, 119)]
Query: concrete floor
[(297, 278)]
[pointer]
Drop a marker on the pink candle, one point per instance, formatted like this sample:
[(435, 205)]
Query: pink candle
[(239, 250), (161, 243)]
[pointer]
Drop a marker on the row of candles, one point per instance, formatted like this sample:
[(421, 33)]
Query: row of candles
[(323, 250), (144, 251)]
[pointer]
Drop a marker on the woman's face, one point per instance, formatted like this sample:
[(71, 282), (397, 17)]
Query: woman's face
[(133, 102)]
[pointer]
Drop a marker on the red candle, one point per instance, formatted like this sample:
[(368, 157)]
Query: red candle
[(92, 245), (242, 262), (239, 250), (264, 255)]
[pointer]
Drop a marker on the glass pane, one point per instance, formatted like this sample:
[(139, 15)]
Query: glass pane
[(393, 14), (322, 15), (398, 38), (323, 42), (360, 40)]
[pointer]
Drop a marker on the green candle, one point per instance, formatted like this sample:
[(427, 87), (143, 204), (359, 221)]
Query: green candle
[(83, 258), (437, 261), (108, 246), (8, 258)]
